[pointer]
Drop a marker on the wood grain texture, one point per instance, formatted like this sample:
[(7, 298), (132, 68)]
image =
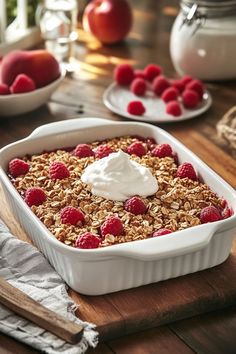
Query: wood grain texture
[(11, 346), (208, 334), (23, 305), (160, 340)]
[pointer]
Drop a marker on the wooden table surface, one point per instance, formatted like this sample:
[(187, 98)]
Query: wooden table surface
[(80, 95)]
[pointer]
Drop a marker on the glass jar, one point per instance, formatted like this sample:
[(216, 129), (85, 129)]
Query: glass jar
[(57, 20), (203, 39)]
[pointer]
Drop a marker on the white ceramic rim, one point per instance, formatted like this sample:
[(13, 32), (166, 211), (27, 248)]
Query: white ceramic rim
[(130, 249)]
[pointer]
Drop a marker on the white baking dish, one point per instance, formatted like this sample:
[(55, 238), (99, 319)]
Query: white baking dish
[(127, 265)]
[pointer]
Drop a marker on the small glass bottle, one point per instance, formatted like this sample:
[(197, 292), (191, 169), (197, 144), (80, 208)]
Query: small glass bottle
[(203, 39), (58, 21)]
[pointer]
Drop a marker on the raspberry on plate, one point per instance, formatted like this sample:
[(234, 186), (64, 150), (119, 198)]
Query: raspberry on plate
[(186, 170), (71, 215), (178, 84), (138, 87), (139, 74), (103, 151), (209, 214), (4, 89), (87, 241), (173, 108), (83, 150), (58, 170), (22, 84), (35, 196), (161, 232), (124, 74), (170, 94), (113, 225), (136, 108), (186, 79), (135, 206), (197, 86), (151, 71), (190, 98), (137, 148), (160, 84), (162, 150), (18, 167)]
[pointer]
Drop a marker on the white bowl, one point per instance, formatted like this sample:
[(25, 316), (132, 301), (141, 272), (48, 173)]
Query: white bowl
[(20, 103), (125, 265)]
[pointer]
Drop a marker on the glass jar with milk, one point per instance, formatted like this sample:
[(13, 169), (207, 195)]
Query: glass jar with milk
[(203, 39)]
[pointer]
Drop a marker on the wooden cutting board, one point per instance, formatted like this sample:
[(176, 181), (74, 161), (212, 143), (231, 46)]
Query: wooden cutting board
[(151, 305)]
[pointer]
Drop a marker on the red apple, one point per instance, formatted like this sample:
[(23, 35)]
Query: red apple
[(39, 65), (108, 20)]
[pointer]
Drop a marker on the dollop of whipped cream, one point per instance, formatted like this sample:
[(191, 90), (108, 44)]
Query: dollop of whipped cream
[(117, 177)]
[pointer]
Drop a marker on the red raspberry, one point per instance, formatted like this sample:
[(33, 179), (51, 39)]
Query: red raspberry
[(87, 240), (135, 206), (151, 71), (22, 83), (35, 196), (57, 170), (226, 212), (139, 74), (186, 170), (186, 79), (178, 84), (160, 84), (162, 150), (136, 107), (176, 158), (150, 140), (113, 226), (173, 108), (4, 89), (139, 137), (83, 150), (137, 148), (170, 94), (103, 151), (209, 214), (190, 98), (223, 203), (197, 86), (71, 215), (138, 87), (161, 232), (151, 143), (18, 167), (124, 74)]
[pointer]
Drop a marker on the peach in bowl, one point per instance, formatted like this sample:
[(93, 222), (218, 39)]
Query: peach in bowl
[(27, 80)]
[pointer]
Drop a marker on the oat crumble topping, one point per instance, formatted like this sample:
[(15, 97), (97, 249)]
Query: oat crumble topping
[(175, 206)]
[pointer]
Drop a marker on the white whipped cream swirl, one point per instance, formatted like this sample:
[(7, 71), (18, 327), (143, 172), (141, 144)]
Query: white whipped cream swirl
[(117, 177)]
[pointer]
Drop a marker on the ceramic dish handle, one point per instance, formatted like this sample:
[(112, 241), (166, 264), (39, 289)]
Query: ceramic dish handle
[(66, 126), (190, 240)]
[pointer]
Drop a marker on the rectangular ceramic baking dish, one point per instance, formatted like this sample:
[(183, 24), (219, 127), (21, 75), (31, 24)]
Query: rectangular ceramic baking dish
[(127, 265)]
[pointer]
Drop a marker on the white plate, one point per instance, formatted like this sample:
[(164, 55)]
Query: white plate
[(116, 98)]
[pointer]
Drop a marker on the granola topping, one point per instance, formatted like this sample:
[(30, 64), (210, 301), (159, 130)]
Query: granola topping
[(176, 205)]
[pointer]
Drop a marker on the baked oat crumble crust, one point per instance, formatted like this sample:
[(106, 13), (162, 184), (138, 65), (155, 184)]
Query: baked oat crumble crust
[(175, 206)]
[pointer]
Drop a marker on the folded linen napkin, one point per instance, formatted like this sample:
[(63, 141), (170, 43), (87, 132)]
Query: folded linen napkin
[(24, 267)]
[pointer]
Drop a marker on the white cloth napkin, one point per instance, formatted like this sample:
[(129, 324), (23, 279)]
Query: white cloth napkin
[(26, 268)]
